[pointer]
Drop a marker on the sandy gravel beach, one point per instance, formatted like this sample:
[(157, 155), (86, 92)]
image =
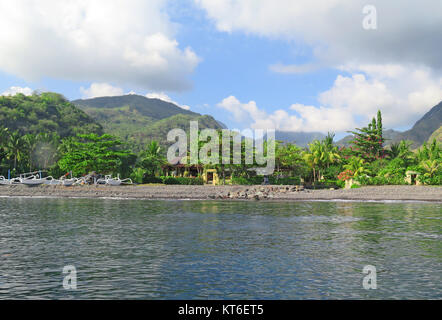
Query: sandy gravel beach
[(420, 193)]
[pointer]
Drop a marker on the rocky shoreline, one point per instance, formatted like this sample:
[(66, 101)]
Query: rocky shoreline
[(283, 193)]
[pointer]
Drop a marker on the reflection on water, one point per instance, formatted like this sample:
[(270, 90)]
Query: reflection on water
[(203, 249)]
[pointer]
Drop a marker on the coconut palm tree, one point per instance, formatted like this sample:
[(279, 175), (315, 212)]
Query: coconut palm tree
[(356, 165), (321, 155), (29, 144), (430, 167), (15, 147), (152, 160)]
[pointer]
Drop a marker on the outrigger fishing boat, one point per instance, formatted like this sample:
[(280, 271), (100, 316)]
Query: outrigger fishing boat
[(114, 181), (4, 181), (31, 179), (67, 182), (34, 179), (50, 181)]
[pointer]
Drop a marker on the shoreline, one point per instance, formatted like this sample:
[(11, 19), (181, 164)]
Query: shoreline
[(235, 192)]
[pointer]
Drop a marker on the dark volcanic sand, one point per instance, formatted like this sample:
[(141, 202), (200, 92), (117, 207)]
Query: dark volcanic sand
[(419, 193)]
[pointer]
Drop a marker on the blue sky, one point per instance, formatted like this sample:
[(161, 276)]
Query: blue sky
[(294, 66)]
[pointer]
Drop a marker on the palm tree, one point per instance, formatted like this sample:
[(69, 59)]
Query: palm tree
[(321, 155), (356, 165), (153, 149), (315, 158), (152, 158), (394, 151), (29, 144), (430, 166), (15, 147), (46, 150)]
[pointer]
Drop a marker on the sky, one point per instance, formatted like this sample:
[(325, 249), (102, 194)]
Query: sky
[(304, 65)]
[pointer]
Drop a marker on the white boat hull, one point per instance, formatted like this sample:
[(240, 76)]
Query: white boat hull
[(68, 182), (113, 182), (32, 182)]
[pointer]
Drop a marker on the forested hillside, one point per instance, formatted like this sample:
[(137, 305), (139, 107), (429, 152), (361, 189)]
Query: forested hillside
[(138, 120), (152, 108), (46, 112)]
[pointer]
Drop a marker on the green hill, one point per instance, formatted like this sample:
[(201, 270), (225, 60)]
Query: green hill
[(138, 120), (45, 112), (436, 135), (152, 108)]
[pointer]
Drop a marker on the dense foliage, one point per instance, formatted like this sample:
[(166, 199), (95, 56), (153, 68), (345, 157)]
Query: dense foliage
[(28, 143), (46, 112), (89, 152), (137, 120)]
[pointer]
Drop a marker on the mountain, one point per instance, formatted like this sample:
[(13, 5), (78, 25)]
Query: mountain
[(418, 134), (138, 120), (301, 139), (436, 135), (423, 128), (152, 108), (390, 136), (46, 112)]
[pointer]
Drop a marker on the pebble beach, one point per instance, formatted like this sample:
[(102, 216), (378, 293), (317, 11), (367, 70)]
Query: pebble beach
[(254, 193)]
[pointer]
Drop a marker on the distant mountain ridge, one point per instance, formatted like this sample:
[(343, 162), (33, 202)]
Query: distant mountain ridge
[(418, 134), (301, 139), (425, 127), (149, 107), (137, 120)]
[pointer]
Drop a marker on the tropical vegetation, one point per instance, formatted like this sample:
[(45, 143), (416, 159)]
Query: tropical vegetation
[(46, 132)]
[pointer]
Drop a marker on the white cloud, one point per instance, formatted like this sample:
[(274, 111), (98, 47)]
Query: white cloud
[(309, 119), (402, 93), (396, 68), (408, 31), (241, 111), (165, 97), (119, 41), (101, 90), (12, 91)]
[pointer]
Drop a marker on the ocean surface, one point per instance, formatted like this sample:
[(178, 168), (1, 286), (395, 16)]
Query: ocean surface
[(141, 249)]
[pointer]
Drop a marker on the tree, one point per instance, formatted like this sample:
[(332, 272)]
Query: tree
[(29, 142), (152, 159), (15, 148), (430, 167), (429, 152), (90, 152), (321, 155), (401, 150), (288, 156), (356, 166), (368, 141), (46, 151)]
